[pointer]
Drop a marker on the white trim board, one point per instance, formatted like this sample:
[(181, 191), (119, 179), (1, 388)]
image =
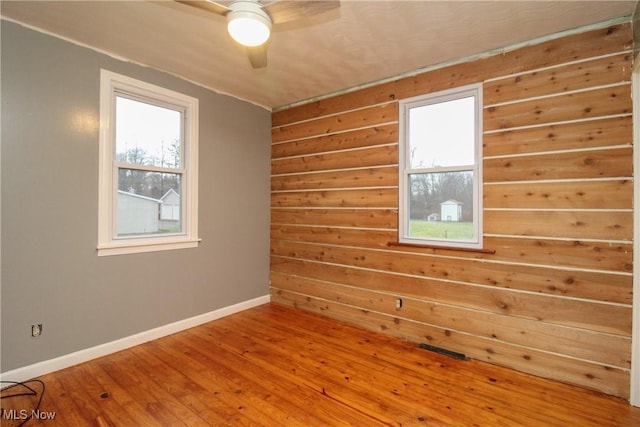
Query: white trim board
[(47, 366), (635, 338)]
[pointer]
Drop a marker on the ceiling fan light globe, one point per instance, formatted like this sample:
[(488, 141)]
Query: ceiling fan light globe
[(249, 31), (248, 24)]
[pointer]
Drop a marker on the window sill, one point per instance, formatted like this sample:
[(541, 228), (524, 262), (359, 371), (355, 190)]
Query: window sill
[(123, 248), (448, 248)]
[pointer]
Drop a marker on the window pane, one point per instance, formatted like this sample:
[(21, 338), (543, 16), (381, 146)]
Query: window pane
[(442, 134), (148, 203), (147, 134), (441, 206)]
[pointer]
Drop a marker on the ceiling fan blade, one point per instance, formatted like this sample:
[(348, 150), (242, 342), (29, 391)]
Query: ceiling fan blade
[(258, 56), (288, 10), (209, 6)]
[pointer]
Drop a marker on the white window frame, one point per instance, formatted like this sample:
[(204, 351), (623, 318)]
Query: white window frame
[(405, 169), (109, 243)]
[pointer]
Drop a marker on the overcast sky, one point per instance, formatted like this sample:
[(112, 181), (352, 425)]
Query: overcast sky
[(145, 126), (447, 125)]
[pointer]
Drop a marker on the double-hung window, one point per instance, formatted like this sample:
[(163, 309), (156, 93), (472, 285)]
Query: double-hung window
[(440, 170), (148, 164)]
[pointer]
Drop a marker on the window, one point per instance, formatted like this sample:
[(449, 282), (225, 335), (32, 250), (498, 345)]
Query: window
[(148, 167), (441, 169)]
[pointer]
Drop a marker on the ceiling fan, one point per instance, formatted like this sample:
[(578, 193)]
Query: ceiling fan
[(249, 22)]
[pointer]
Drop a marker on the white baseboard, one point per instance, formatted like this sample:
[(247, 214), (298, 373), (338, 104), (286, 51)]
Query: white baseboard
[(47, 366)]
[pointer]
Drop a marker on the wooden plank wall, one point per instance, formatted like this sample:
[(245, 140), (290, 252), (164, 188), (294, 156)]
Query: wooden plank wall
[(555, 298)]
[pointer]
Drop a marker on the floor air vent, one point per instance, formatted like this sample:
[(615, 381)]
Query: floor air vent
[(446, 352)]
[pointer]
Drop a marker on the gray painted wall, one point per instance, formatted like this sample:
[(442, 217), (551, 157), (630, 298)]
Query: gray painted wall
[(50, 271)]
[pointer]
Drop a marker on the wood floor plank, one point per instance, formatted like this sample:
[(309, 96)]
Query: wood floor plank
[(122, 366), (57, 400), (415, 381), (321, 378), (448, 374), (235, 381), (116, 401), (286, 382), (388, 392), (275, 365), (75, 389)]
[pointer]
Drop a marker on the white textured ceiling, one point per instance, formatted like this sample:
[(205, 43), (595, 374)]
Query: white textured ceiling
[(359, 43)]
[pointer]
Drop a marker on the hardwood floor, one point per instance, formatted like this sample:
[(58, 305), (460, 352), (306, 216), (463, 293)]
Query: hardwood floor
[(275, 366)]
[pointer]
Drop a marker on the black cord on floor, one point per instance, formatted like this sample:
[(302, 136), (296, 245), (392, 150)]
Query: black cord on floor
[(30, 392)]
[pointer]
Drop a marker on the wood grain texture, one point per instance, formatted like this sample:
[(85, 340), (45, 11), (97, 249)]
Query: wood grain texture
[(370, 177), (556, 338), (274, 365), (576, 225), (368, 137), (564, 78), (368, 218), (604, 132), (594, 194), (604, 256), (597, 102), (386, 155), (589, 285), (551, 293), (369, 117), (377, 198), (334, 236), (605, 163)]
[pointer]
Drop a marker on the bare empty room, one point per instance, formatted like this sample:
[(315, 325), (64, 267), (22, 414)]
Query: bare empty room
[(373, 213)]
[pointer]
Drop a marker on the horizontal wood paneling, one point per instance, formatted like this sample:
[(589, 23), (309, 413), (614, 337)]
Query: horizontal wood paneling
[(334, 236), (591, 44), (573, 254), (367, 137), (541, 280), (553, 294), (593, 194), (564, 253), (574, 371), (588, 104), (565, 78), (607, 132), (556, 338), (603, 225), (605, 255), (378, 198), (372, 177), (369, 218), (605, 163), (385, 155), (368, 117), (491, 299)]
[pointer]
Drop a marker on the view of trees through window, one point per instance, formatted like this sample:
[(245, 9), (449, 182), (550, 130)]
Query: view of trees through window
[(149, 163), (147, 183), (440, 167), (441, 205)]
